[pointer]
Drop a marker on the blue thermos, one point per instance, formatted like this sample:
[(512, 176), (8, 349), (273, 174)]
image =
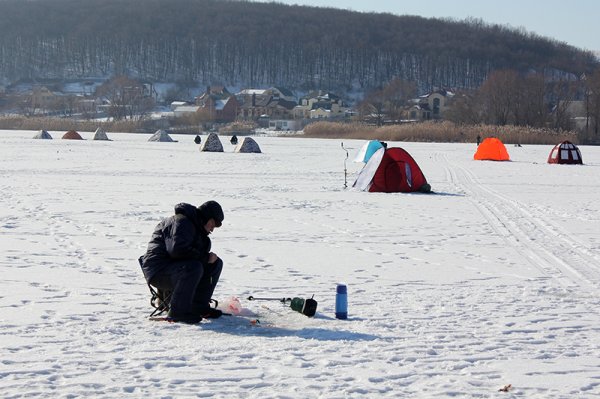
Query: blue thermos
[(341, 302)]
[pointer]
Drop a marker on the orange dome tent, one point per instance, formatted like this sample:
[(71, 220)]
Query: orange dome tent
[(72, 135), (491, 149), (565, 153)]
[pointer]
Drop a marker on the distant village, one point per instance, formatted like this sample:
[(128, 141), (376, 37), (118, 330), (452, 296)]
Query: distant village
[(216, 107), (274, 108), (277, 108)]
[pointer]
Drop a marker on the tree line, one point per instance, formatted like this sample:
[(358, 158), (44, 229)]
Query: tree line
[(245, 44), (506, 98), (510, 98)]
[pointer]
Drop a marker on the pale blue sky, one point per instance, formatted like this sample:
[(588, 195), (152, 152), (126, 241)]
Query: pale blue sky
[(575, 22)]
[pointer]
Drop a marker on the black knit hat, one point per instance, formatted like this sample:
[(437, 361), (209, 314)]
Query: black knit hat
[(212, 210)]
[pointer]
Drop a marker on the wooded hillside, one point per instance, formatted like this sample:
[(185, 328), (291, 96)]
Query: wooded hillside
[(247, 44)]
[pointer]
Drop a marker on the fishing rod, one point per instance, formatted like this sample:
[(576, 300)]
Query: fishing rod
[(345, 170), (307, 307)]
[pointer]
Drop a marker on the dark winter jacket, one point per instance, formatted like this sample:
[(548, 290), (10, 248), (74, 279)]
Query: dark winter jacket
[(177, 238)]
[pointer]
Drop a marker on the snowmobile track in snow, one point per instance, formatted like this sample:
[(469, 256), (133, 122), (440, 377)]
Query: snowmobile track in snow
[(529, 231)]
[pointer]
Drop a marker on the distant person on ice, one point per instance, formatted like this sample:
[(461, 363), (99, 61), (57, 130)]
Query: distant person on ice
[(179, 260)]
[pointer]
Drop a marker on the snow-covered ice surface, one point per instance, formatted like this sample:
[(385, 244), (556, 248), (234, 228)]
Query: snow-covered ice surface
[(494, 280)]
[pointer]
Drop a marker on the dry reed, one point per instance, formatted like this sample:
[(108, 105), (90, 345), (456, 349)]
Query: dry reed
[(441, 132), (60, 124)]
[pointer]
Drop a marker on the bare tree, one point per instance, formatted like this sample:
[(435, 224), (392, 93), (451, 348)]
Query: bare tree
[(592, 99), (373, 106), (396, 94), (529, 107), (27, 104), (497, 95), (66, 105), (87, 107), (561, 94), (127, 98), (389, 100), (464, 108)]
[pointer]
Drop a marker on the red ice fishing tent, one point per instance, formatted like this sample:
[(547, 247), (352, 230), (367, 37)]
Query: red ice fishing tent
[(391, 170), (565, 153), (491, 149), (72, 135)]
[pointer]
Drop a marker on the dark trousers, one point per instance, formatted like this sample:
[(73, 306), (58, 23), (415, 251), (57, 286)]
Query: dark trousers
[(192, 285)]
